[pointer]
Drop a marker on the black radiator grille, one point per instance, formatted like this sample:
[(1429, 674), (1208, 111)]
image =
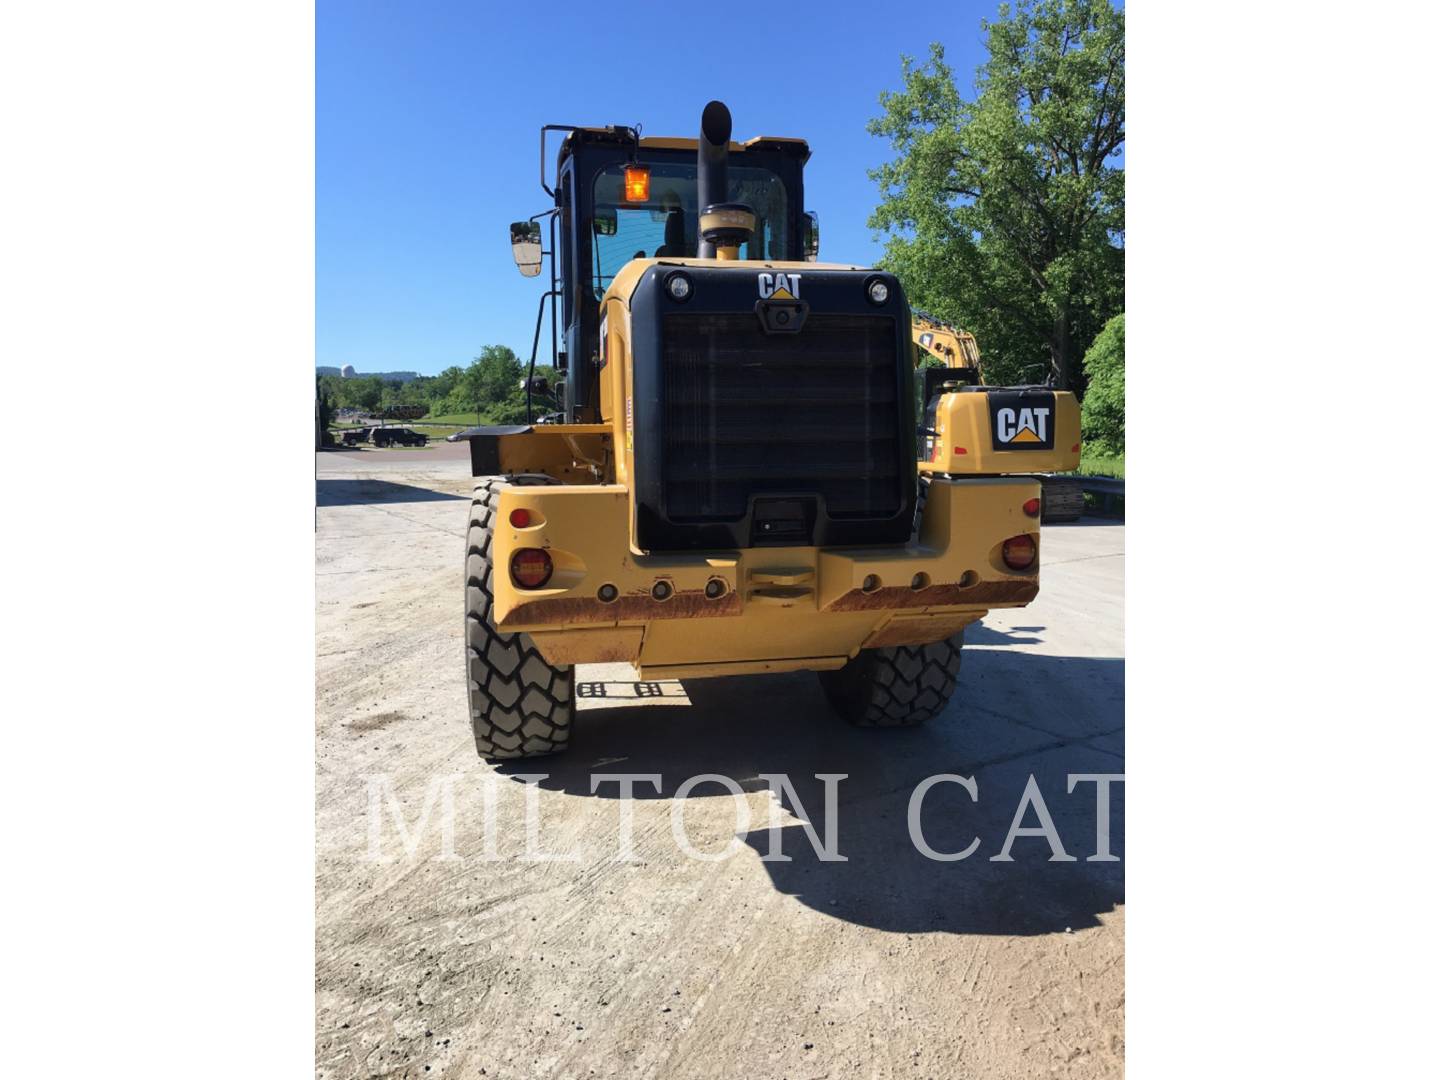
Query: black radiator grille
[(746, 413)]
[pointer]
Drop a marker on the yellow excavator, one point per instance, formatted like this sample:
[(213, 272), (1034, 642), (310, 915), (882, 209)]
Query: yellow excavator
[(956, 347), (1062, 499)]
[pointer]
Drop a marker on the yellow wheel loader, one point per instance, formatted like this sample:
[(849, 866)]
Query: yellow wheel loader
[(733, 487)]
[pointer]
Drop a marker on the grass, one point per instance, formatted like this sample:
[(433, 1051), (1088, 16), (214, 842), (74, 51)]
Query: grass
[(1094, 463), (437, 431)]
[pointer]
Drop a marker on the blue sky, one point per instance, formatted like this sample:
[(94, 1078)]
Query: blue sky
[(427, 139)]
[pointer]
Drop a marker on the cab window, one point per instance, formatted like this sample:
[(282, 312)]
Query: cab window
[(667, 224)]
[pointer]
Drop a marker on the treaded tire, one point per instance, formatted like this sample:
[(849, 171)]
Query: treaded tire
[(520, 704), (922, 493), (898, 686), (1061, 500), (901, 685)]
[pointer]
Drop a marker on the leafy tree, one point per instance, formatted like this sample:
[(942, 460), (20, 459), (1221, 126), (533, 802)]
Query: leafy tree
[(444, 384), (1006, 214), (365, 393), (1102, 416), (330, 387), (508, 410), (324, 414), (406, 393), (490, 388), (493, 375)]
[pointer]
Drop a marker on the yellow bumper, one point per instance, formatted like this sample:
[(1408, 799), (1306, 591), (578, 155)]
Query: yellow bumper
[(766, 609)]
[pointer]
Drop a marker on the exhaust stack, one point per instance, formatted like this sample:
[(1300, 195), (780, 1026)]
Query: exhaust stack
[(724, 226)]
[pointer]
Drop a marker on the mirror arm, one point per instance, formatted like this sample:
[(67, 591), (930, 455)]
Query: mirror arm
[(553, 214)]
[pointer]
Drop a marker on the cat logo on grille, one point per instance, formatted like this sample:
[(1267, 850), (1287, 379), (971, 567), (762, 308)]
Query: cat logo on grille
[(779, 286)]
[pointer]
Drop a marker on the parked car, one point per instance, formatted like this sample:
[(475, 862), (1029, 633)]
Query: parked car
[(397, 436)]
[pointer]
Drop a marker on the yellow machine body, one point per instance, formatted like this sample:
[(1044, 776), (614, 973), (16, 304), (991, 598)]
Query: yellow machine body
[(682, 612), (768, 609), (773, 609), (966, 439)]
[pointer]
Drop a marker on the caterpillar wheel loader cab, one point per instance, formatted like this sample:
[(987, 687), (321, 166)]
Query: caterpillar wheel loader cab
[(734, 487)]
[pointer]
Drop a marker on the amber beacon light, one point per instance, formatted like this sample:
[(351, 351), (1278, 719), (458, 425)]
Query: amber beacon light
[(637, 183)]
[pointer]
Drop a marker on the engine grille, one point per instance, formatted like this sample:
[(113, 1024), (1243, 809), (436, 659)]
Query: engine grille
[(747, 413)]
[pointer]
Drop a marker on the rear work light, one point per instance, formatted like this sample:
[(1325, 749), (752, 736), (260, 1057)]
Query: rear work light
[(1031, 507), (531, 567), (1019, 552)]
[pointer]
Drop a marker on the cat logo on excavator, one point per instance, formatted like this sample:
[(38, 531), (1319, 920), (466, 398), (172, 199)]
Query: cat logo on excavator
[(1026, 425)]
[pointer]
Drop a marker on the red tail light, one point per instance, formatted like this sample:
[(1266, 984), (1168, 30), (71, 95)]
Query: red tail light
[(531, 567), (1019, 552), (1031, 507), (520, 518)]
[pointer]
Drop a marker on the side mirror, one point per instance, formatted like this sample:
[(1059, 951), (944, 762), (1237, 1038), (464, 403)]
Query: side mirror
[(812, 236), (525, 243)]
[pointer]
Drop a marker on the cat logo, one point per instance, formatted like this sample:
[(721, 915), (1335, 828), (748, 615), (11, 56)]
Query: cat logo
[(1023, 425), (1022, 419), (779, 286)]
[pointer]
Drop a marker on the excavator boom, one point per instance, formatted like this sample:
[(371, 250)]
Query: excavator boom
[(956, 347)]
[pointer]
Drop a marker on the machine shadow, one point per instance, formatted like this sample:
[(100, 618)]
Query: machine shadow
[(999, 730), (361, 492)]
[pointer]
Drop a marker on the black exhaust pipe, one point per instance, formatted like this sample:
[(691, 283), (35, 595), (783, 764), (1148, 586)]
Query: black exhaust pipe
[(711, 159)]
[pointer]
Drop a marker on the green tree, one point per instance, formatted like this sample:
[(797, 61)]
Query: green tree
[(1102, 416), (324, 414), (494, 374), (365, 393), (444, 384), (406, 393), (1006, 214), (331, 386)]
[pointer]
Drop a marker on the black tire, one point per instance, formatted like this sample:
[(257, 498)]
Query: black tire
[(898, 686), (922, 492), (520, 704), (1061, 500), (901, 685)]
